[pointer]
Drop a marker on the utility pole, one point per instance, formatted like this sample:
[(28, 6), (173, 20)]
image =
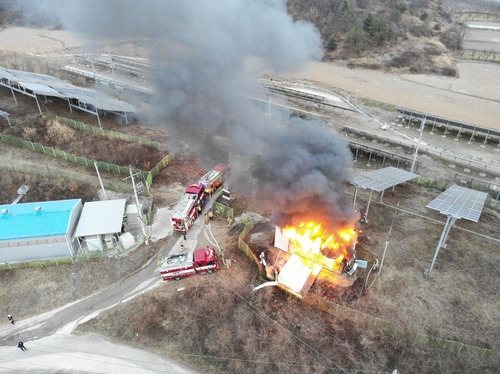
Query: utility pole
[(422, 126), (388, 238), (100, 181), (139, 210)]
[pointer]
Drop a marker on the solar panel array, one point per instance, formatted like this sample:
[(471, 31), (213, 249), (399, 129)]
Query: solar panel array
[(447, 121), (46, 85), (460, 202), (381, 179)]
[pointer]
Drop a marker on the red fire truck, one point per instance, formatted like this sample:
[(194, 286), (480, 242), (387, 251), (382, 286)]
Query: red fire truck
[(214, 178), (201, 261), (196, 197), (188, 208)]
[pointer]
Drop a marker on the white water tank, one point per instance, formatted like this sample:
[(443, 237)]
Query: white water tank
[(93, 243), (132, 214), (127, 240)]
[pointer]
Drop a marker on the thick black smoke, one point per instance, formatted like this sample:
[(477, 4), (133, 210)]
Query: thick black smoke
[(206, 52)]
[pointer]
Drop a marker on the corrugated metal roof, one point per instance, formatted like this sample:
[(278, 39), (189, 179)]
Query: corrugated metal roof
[(101, 217), (24, 221)]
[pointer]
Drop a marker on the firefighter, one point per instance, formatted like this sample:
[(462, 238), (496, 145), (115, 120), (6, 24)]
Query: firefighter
[(211, 215), (21, 346), (10, 318)]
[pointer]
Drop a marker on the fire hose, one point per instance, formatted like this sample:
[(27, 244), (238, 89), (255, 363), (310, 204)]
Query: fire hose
[(374, 267), (207, 232)]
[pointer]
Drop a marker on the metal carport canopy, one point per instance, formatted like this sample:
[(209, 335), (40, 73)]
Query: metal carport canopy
[(101, 217), (46, 85)]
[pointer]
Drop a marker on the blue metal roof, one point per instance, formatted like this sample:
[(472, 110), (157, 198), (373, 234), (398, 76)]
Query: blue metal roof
[(24, 221)]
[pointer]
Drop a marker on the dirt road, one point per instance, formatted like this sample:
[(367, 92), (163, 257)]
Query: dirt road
[(473, 98)]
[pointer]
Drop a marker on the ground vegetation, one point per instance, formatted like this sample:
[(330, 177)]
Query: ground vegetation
[(393, 35), (53, 133)]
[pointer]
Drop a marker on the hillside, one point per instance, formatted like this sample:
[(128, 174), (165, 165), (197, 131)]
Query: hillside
[(416, 36)]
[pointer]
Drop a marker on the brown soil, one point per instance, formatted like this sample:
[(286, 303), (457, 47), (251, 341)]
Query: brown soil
[(43, 188)]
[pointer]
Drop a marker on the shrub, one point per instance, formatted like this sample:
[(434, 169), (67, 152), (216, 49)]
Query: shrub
[(332, 43), (357, 40), (449, 72), (453, 38), (420, 31), (403, 60)]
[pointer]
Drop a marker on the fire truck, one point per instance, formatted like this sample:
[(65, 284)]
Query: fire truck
[(188, 208), (196, 197), (201, 261), (214, 178)]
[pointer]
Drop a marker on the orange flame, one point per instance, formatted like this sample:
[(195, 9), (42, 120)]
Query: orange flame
[(313, 244)]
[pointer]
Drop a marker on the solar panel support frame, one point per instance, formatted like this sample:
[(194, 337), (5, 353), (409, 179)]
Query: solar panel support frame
[(6, 116), (366, 180), (454, 206), (450, 221)]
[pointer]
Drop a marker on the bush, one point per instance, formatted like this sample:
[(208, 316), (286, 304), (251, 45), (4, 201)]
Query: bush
[(420, 31), (453, 38), (332, 43), (357, 40), (449, 72), (432, 50), (378, 29), (403, 60)]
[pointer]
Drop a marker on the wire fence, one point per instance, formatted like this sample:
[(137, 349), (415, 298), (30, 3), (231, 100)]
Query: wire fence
[(243, 246), (358, 317), (343, 312), (223, 210), (107, 133), (69, 157), (83, 254), (53, 172), (148, 176)]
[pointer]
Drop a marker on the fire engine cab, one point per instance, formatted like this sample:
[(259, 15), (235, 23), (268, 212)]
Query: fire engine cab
[(201, 261), (188, 208)]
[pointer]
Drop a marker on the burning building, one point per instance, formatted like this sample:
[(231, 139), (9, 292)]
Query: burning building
[(304, 253)]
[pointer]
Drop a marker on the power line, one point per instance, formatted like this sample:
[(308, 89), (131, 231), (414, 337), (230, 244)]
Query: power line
[(260, 313)]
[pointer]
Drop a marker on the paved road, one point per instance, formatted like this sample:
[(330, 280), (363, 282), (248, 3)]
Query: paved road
[(84, 354), (51, 345)]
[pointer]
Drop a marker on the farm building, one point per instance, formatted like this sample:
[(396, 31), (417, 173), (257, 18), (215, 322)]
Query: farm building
[(100, 224), (38, 231)]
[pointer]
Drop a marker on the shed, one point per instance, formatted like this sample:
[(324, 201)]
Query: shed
[(38, 231), (100, 223)]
